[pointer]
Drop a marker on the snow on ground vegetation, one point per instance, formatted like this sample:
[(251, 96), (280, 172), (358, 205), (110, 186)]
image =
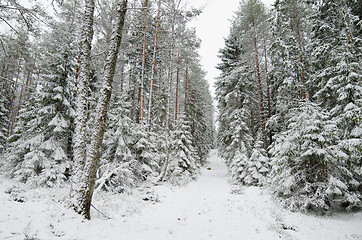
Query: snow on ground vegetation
[(209, 208)]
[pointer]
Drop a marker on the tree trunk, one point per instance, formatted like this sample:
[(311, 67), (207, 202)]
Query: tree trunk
[(267, 90), (260, 93), (165, 164), (301, 50), (121, 79), (27, 91), (186, 79), (143, 63), (22, 93), (12, 111), (80, 141), (132, 113), (168, 110), (177, 82), (154, 65), (90, 169), (194, 117)]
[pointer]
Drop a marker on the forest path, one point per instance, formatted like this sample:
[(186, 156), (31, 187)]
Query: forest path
[(206, 209)]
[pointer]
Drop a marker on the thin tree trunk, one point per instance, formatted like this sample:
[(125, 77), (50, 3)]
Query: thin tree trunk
[(133, 109), (267, 80), (165, 165), (27, 91), (22, 92), (170, 74), (186, 79), (154, 65), (143, 62), (168, 113), (122, 78), (90, 169), (76, 76), (260, 93), (177, 83), (301, 59), (194, 117), (11, 109), (12, 75), (80, 141), (267, 89)]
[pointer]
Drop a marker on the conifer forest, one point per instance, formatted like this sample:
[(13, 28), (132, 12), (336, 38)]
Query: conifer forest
[(109, 99)]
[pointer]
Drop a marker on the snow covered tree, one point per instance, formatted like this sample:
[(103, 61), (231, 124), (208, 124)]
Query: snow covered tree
[(337, 52), (290, 33), (118, 168), (308, 168), (146, 151), (182, 166), (237, 152), (44, 128), (258, 166), (241, 114)]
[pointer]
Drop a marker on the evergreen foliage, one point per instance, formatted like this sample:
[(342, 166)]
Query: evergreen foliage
[(40, 149), (308, 167), (183, 165), (313, 71)]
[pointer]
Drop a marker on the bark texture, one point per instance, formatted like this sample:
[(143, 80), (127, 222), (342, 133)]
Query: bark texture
[(82, 89)]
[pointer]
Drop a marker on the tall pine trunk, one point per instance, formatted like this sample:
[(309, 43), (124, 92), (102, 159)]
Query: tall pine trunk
[(260, 92), (143, 63), (154, 64), (177, 83), (186, 79), (92, 160), (267, 90), (301, 60)]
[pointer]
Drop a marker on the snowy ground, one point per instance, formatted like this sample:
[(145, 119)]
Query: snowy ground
[(206, 209)]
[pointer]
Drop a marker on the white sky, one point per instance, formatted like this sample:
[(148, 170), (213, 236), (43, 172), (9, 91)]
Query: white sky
[(212, 26)]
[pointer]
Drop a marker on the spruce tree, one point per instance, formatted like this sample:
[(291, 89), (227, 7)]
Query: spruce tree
[(309, 171), (337, 53)]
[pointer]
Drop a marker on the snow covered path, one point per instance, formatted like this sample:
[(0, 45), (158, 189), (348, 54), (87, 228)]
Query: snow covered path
[(209, 208), (206, 209)]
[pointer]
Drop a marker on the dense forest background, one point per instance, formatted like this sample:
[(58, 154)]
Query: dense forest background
[(290, 101), (160, 122), (289, 97)]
